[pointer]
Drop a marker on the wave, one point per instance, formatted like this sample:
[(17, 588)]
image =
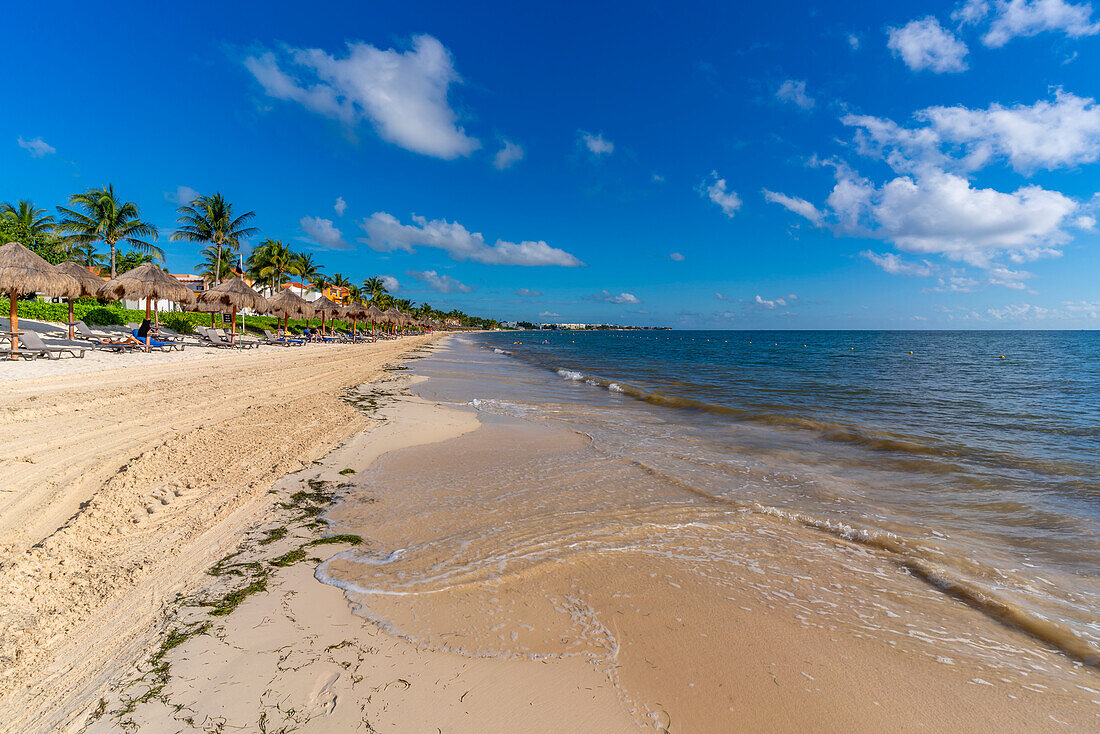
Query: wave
[(923, 563)]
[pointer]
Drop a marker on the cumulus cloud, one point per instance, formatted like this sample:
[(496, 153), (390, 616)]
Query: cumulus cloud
[(621, 299), (403, 94), (772, 304), (853, 41), (322, 232), (1022, 18), (182, 195), (970, 12), (894, 265), (508, 156), (716, 191), (597, 145), (391, 283), (439, 283), (942, 213), (721, 297), (37, 147), (548, 314), (796, 205), (527, 292), (795, 92), (676, 257), (340, 206), (925, 44), (386, 233), (1061, 133)]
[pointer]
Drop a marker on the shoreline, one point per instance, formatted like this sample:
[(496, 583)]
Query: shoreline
[(298, 656)]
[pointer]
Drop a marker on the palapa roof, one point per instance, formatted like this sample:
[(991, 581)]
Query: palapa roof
[(147, 281), (22, 271), (287, 303), (325, 306), (234, 293), (90, 283), (373, 313), (355, 311)]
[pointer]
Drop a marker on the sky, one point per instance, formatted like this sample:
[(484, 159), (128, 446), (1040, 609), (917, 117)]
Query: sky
[(707, 165)]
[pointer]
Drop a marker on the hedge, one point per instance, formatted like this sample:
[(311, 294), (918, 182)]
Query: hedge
[(112, 314)]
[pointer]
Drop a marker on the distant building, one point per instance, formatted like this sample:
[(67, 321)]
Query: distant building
[(575, 327)]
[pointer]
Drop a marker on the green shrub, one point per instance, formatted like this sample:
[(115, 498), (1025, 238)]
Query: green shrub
[(178, 322), (103, 316)]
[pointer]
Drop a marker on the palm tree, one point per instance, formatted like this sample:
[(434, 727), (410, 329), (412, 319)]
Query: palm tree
[(339, 281), (104, 218), (305, 267), (404, 305), (87, 256), (270, 262), (32, 220), (213, 266), (374, 287), (354, 294), (210, 219)]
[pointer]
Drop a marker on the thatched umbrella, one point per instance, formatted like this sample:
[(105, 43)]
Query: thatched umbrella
[(149, 282), (288, 303), (234, 294), (90, 283), (392, 317), (354, 311), (22, 271), (324, 307)]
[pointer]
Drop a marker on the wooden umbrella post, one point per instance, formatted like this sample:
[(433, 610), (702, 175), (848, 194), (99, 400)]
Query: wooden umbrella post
[(14, 322), (72, 326)]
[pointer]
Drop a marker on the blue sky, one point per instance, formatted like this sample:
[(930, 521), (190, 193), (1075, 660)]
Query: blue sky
[(706, 165)]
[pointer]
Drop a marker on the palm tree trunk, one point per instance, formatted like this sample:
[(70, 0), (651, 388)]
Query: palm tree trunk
[(113, 273), (218, 265)]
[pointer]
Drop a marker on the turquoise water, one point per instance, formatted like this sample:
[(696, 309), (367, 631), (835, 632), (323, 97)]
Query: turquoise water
[(928, 443)]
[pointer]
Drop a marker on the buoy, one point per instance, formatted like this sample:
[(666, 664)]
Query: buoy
[(852, 348), (910, 352), (1002, 356)]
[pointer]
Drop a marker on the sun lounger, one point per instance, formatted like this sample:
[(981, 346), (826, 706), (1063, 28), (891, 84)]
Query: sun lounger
[(150, 343), (273, 338), (8, 353), (237, 340), (31, 341)]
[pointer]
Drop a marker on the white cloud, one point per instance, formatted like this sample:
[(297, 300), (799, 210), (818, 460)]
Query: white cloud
[(322, 232), (37, 146), (941, 213), (676, 257), (772, 304), (340, 206), (894, 265), (403, 94), (721, 297), (182, 195), (386, 233), (439, 283), (508, 156), (391, 283), (621, 299), (548, 314), (1061, 133), (796, 205), (657, 178), (795, 92), (527, 292), (729, 201), (596, 144), (925, 44), (853, 41), (971, 12), (1021, 18)]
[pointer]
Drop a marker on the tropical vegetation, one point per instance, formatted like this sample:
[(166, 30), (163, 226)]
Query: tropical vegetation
[(99, 218)]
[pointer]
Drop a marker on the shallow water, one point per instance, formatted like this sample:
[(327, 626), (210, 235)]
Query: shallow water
[(647, 528)]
